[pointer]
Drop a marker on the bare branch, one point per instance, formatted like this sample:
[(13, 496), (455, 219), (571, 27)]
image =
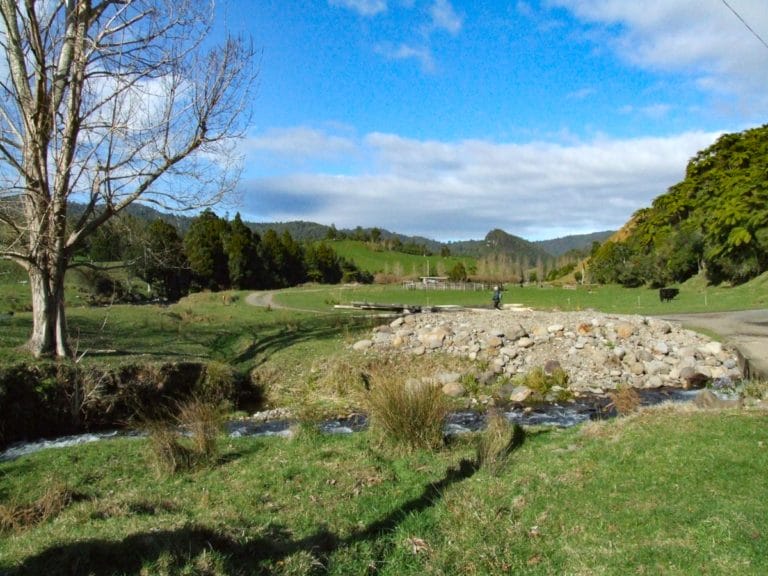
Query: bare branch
[(107, 102)]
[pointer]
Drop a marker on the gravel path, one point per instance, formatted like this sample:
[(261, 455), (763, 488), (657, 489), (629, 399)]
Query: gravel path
[(746, 330)]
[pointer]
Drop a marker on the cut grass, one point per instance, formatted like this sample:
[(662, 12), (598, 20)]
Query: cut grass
[(662, 491)]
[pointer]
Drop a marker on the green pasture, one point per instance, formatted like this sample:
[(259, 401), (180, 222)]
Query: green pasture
[(695, 296), (303, 335), (377, 260), (664, 492), (307, 320), (667, 491)]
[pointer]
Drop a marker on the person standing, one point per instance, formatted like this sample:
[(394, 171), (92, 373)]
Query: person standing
[(496, 298)]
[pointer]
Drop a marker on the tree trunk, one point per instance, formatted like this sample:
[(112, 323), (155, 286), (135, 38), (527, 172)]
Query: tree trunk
[(49, 327)]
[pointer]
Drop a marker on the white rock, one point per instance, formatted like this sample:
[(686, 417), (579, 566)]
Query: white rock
[(711, 348), (525, 342), (660, 348), (362, 345)]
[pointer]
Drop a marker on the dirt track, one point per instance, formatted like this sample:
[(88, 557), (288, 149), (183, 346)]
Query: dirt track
[(746, 330)]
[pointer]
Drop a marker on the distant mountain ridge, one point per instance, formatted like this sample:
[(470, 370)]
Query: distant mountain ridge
[(496, 240), (499, 241), (560, 246)]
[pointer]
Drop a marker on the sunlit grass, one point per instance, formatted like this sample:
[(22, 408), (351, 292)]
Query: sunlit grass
[(695, 296), (662, 491)]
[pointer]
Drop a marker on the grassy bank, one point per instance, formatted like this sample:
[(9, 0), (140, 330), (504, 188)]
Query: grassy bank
[(659, 493), (662, 492), (300, 353)]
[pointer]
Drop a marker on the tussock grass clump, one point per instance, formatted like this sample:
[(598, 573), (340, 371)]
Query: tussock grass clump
[(625, 400), (499, 439), (405, 410), (169, 454), (542, 382), (17, 517), (203, 421), (187, 440), (756, 389)]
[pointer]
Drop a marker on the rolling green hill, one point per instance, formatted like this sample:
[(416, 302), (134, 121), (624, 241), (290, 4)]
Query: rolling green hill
[(375, 259), (303, 231)]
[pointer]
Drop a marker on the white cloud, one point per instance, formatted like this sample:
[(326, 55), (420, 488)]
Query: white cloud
[(704, 40), (302, 142), (362, 7), (421, 54), (440, 16), (461, 190), (654, 111), (524, 8), (444, 17), (581, 94)]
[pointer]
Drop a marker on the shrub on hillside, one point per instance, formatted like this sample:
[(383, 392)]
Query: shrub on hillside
[(218, 382)]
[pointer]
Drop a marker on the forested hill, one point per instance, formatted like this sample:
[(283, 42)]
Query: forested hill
[(580, 242), (308, 231), (497, 241), (500, 242), (715, 221)]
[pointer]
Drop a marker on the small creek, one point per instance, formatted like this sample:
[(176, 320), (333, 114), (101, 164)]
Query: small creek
[(561, 415)]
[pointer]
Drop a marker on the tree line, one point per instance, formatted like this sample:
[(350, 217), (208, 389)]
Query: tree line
[(715, 222), (216, 254)]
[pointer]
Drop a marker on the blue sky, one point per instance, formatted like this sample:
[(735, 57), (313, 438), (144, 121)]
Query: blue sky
[(448, 118)]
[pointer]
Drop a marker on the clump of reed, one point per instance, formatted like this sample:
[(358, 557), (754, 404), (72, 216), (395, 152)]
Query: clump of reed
[(495, 444), (189, 438), (625, 400), (405, 410), (15, 517)]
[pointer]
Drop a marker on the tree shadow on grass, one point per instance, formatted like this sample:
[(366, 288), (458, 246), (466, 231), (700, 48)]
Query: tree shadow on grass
[(239, 553), (216, 341), (321, 327)]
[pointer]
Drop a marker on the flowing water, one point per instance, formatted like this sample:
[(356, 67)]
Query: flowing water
[(560, 415)]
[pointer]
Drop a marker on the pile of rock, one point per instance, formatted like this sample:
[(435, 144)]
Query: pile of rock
[(598, 351)]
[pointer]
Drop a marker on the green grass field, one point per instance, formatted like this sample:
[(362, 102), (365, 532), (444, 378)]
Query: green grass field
[(397, 263), (695, 296), (664, 492), (291, 344)]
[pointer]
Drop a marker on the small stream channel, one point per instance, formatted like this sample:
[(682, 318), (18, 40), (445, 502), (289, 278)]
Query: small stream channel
[(560, 415)]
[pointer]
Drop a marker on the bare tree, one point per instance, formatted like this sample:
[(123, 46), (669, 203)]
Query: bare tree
[(106, 102)]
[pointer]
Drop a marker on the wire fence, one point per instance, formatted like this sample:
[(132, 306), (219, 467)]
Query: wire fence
[(446, 285)]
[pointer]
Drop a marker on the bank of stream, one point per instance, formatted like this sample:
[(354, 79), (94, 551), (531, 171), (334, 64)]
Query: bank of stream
[(555, 414)]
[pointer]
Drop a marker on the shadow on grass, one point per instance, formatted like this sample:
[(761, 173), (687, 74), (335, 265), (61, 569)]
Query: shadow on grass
[(216, 341), (239, 553), (321, 327)]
